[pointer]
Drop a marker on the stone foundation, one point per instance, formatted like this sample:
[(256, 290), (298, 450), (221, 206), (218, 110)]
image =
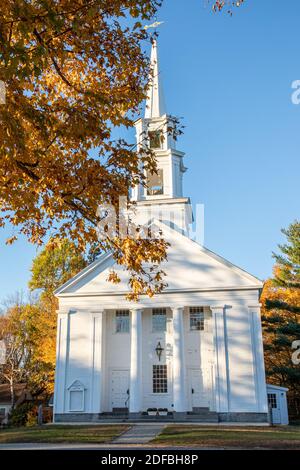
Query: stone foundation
[(222, 417), (243, 417), (76, 417)]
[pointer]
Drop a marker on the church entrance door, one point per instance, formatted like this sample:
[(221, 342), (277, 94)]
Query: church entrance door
[(199, 395), (119, 389)]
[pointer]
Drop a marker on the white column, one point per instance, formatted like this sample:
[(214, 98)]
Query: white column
[(135, 401), (221, 361), (62, 346), (258, 359), (97, 373), (179, 396)]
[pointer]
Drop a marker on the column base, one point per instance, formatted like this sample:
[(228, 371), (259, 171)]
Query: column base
[(180, 415), (243, 417), (134, 415)]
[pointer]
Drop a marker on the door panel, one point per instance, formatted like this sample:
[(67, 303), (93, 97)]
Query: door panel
[(200, 388), (274, 403), (119, 388)]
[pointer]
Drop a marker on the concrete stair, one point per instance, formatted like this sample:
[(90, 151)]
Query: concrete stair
[(203, 415), (200, 415)]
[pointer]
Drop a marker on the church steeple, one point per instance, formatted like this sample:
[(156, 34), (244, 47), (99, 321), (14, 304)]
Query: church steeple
[(164, 191), (155, 103)]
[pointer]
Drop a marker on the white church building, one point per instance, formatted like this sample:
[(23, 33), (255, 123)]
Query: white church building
[(193, 351)]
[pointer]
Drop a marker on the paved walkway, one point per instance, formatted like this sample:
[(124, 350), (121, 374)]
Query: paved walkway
[(139, 434)]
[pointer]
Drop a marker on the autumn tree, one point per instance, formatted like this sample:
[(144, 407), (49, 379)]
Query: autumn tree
[(228, 5), (281, 313), (19, 328), (74, 70), (53, 266), (28, 329)]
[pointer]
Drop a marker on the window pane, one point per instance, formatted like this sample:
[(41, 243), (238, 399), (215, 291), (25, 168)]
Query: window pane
[(272, 400), (159, 319), (155, 183), (197, 318), (122, 321), (160, 379), (155, 139)]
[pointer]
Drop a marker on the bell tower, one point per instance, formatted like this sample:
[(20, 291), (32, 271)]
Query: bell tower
[(163, 196)]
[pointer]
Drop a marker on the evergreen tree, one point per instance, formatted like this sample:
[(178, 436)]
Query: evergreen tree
[(281, 314)]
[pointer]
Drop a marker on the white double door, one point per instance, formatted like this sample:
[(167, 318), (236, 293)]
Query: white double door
[(119, 386), (200, 388)]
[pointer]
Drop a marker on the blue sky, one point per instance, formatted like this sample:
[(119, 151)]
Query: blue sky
[(230, 79)]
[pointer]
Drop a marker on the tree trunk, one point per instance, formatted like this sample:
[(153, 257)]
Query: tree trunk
[(12, 393)]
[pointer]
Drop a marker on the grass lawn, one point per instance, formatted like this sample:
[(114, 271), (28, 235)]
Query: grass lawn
[(62, 433), (281, 437)]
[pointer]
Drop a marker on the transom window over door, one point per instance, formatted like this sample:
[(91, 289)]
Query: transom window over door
[(155, 183), (159, 319), (160, 379), (122, 321), (197, 318)]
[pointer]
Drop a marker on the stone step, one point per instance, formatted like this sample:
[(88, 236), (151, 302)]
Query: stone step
[(203, 417)]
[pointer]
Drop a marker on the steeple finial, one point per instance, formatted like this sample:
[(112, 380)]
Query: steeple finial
[(155, 104)]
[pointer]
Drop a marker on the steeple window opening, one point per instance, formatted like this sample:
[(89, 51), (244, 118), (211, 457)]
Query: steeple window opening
[(155, 139), (155, 183)]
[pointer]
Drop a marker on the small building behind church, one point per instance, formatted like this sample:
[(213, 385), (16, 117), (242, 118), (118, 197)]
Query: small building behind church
[(194, 351)]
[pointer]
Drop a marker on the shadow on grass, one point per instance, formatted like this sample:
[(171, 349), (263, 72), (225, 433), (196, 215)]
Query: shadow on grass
[(62, 434), (283, 437)]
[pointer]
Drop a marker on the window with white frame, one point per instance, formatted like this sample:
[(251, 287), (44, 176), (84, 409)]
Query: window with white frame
[(272, 400), (197, 318), (159, 321), (122, 321), (160, 379)]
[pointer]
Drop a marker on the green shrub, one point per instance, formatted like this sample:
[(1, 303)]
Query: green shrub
[(22, 414)]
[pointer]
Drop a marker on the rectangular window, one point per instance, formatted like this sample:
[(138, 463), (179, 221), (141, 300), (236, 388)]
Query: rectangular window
[(155, 139), (160, 379), (197, 318), (159, 319), (155, 183), (122, 321), (272, 400)]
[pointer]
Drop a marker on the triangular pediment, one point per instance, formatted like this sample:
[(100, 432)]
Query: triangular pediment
[(189, 267)]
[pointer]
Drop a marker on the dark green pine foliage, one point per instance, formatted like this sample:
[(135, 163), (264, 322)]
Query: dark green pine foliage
[(281, 319)]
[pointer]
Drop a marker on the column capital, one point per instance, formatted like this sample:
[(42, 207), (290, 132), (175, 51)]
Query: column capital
[(217, 308), (177, 307), (99, 311), (64, 312), (136, 309), (255, 306)]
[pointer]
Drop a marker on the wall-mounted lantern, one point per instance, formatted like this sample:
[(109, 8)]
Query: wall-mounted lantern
[(159, 350)]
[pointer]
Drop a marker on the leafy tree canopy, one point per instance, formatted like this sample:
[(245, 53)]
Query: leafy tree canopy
[(73, 70)]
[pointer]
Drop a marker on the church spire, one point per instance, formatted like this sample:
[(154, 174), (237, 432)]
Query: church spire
[(155, 104)]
